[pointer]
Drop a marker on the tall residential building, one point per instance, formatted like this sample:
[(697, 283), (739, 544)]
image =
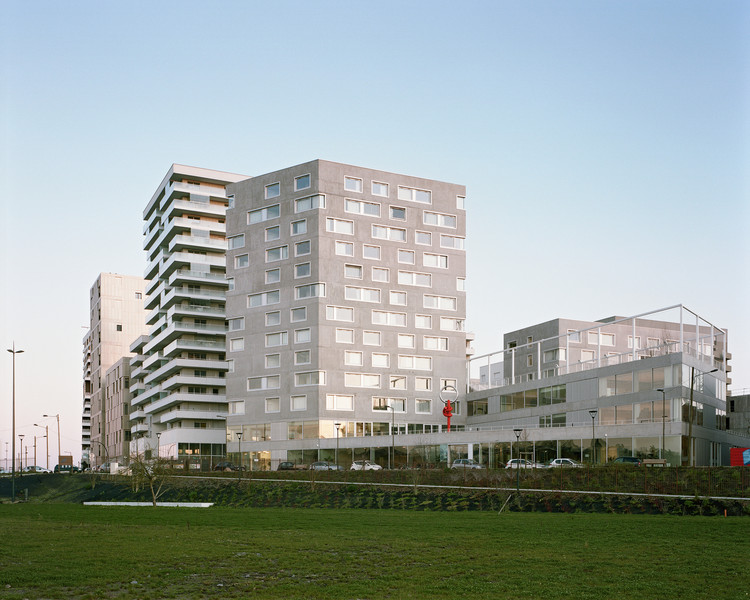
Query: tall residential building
[(345, 310), (116, 318), (116, 394), (178, 371)]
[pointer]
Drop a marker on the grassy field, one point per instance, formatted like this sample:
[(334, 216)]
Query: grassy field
[(72, 551)]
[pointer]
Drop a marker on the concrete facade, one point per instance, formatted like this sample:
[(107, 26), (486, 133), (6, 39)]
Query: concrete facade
[(116, 392), (116, 318), (346, 305), (178, 371)]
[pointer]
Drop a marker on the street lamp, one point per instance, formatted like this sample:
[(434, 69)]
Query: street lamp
[(20, 456), (158, 444), (57, 416), (13, 351), (693, 377), (338, 426), (663, 449), (593, 412), (239, 450), (518, 461), (46, 435)]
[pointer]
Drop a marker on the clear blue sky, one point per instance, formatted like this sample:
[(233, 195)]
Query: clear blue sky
[(604, 146)]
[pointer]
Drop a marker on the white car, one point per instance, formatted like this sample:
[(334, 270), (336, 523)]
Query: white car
[(35, 469), (563, 462), (466, 463), (365, 465), (522, 463)]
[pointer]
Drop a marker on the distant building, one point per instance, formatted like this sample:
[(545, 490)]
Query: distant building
[(116, 410), (116, 318), (738, 413)]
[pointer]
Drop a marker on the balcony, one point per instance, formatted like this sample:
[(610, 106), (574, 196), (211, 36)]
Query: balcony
[(178, 329), (176, 365), (152, 235), (139, 428), (190, 414), (153, 267), (178, 294), (195, 310), (185, 259), (181, 225), (187, 276), (183, 398), (153, 360), (180, 380), (196, 345), (180, 207), (196, 242)]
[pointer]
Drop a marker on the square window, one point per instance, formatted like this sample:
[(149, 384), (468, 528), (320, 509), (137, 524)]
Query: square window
[(398, 213), (301, 183), (273, 361), (345, 336), (273, 233), (353, 358), (423, 406), (302, 336), (398, 298), (345, 248), (299, 227), (302, 248), (371, 338), (273, 190), (236, 241), (423, 321), (298, 314), (353, 184), (371, 252), (272, 405), (423, 237), (302, 270), (379, 189), (236, 324), (381, 360), (397, 382), (302, 357), (406, 257), (423, 384), (236, 344), (353, 271), (406, 340), (380, 274), (273, 275), (241, 261), (298, 403), (273, 318)]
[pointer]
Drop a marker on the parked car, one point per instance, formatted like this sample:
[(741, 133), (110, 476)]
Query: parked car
[(324, 465), (365, 465), (627, 460), (563, 462), (466, 463), (289, 466), (35, 469), (522, 463), (226, 466), (67, 469)]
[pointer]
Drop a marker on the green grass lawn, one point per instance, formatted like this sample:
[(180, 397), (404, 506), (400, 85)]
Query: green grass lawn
[(72, 552)]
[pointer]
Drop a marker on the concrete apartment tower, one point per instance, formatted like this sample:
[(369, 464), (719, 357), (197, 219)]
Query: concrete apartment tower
[(345, 311), (178, 371), (116, 318)]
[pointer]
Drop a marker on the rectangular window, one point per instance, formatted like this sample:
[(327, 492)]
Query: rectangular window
[(395, 234), (339, 313), (301, 183), (339, 402), (353, 271), (451, 241), (438, 261), (398, 298), (608, 339), (309, 203), (263, 214), (339, 226), (236, 324), (440, 302), (574, 337), (302, 270), (344, 336), (273, 233), (460, 284), (406, 257), (371, 252), (398, 213), (362, 294), (302, 248), (637, 342), (587, 355), (418, 363), (411, 278), (414, 195), (451, 324), (423, 384), (448, 383), (380, 274), (359, 207), (273, 190), (298, 314), (379, 189), (406, 340), (279, 253), (272, 405), (302, 336), (302, 357), (423, 321), (236, 241), (230, 365), (461, 202), (435, 343), (380, 360), (230, 284), (553, 355), (311, 290), (344, 248), (529, 360), (397, 382), (236, 344), (382, 317), (439, 219), (397, 404), (270, 382), (310, 378), (353, 358), (273, 361), (592, 337), (273, 276), (423, 406), (280, 338), (353, 184), (423, 238), (371, 338), (299, 227), (366, 380), (263, 299), (241, 261), (298, 403)]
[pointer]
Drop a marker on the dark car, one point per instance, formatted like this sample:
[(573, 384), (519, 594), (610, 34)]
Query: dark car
[(627, 460), (66, 469), (288, 466), (226, 466), (324, 465)]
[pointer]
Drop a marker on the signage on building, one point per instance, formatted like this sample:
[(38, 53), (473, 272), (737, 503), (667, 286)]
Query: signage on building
[(739, 457)]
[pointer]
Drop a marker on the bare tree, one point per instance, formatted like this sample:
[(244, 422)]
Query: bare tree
[(153, 473)]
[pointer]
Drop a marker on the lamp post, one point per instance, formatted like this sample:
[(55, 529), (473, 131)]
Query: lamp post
[(57, 416), (13, 351), (158, 444), (693, 377), (338, 426), (20, 454), (663, 449), (518, 462), (392, 463), (239, 451), (593, 412), (46, 436)]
